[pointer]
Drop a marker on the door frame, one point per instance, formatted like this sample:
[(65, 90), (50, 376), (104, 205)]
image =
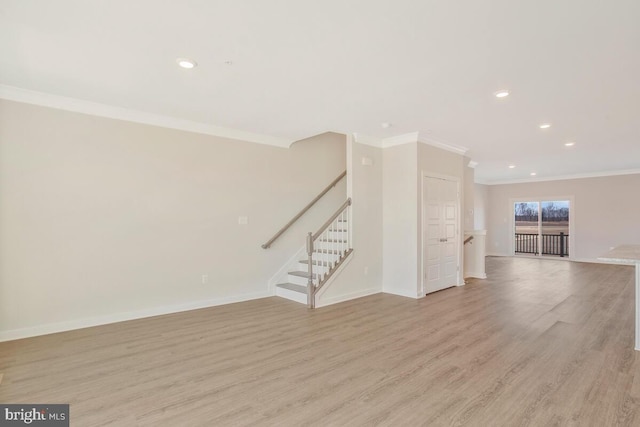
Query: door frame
[(422, 249), (572, 222)]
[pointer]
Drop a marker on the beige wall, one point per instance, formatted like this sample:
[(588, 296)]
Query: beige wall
[(480, 206), (605, 212), (103, 219), (400, 225), (469, 196)]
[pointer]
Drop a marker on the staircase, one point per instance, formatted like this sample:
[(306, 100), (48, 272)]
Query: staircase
[(324, 253), (329, 251)]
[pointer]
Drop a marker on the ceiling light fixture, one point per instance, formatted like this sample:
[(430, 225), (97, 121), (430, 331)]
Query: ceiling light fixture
[(569, 144), (512, 166), (186, 63), (545, 126), (386, 125), (502, 94), (533, 174)]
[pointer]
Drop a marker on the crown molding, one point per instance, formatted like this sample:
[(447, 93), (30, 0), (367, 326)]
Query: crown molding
[(406, 138), (563, 177), (17, 94), (444, 145), (472, 164)]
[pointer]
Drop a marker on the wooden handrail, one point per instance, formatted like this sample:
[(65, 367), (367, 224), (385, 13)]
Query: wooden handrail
[(303, 211), (468, 239)]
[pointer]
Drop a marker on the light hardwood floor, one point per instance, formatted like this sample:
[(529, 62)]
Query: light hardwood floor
[(539, 343)]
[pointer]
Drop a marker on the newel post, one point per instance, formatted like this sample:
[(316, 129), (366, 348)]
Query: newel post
[(311, 301)]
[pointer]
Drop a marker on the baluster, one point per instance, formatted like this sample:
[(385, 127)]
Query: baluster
[(346, 235), (345, 248), (342, 236), (348, 219), (347, 223), (335, 243), (340, 225)]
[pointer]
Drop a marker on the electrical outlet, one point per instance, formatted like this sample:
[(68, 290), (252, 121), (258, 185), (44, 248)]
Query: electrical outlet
[(243, 220), (366, 271), (205, 278)]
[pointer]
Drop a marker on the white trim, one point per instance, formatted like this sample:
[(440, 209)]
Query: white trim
[(51, 328), (335, 275), (472, 164), (563, 177), (401, 293), (346, 297), (459, 234), (475, 275), (17, 94), (602, 261), (407, 138), (444, 145), (637, 332), (497, 254)]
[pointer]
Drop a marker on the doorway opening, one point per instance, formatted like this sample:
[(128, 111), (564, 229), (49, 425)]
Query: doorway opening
[(541, 228)]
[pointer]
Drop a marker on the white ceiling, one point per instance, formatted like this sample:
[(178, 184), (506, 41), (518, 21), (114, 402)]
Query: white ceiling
[(303, 67)]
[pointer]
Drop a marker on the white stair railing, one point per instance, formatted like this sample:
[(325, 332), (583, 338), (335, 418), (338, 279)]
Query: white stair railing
[(327, 248)]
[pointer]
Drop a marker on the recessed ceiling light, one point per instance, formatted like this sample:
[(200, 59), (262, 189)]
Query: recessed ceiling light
[(386, 125), (533, 174), (512, 166), (502, 94), (545, 125), (186, 63), (569, 144)]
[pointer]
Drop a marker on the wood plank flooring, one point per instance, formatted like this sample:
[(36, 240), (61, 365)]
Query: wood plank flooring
[(539, 343)]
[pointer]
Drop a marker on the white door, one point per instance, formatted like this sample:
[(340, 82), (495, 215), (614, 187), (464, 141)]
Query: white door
[(439, 234)]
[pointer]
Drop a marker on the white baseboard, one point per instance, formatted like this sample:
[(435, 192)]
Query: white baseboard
[(475, 275), (346, 297), (52, 328), (599, 261), (401, 293)]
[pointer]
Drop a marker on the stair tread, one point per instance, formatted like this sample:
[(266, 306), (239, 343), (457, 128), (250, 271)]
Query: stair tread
[(326, 251), (338, 231), (333, 241), (293, 287), (304, 274)]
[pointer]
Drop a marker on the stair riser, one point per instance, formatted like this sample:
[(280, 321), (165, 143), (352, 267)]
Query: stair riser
[(316, 268), (297, 280), (291, 295)]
